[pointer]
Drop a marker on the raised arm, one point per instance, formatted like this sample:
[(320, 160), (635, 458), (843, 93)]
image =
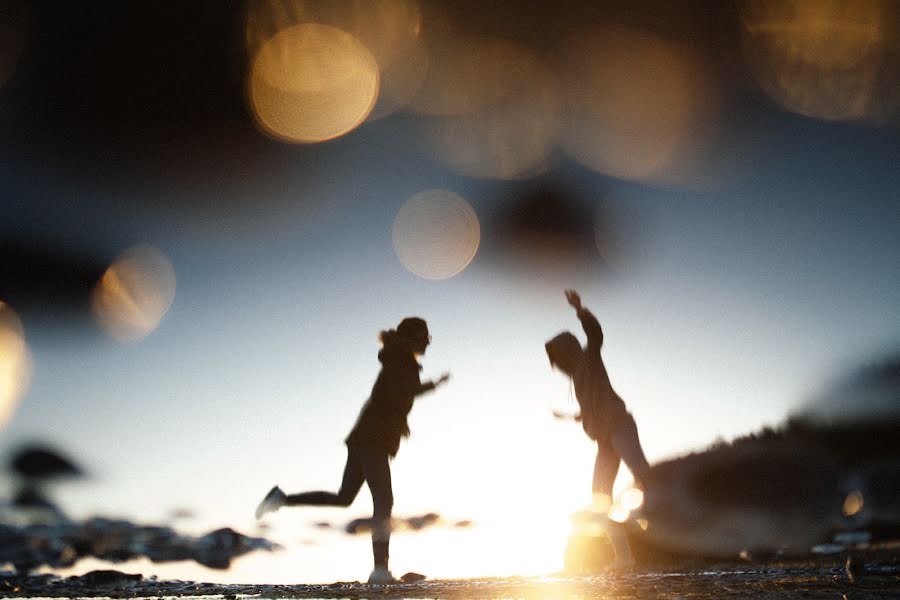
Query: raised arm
[(427, 386), (589, 322)]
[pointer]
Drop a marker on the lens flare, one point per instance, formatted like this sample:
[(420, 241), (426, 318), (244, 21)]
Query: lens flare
[(436, 234), (602, 503), (135, 293), (311, 83), (389, 29), (15, 363), (632, 499), (468, 74), (619, 513), (826, 59), (853, 503), (514, 134), (636, 106)]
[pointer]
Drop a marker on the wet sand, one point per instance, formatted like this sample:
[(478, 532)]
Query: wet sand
[(823, 579)]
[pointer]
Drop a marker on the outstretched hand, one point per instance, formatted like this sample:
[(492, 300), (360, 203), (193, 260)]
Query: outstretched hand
[(442, 379), (574, 299), (567, 416)]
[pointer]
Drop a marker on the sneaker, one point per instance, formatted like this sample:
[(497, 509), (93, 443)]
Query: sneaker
[(272, 502), (381, 576)]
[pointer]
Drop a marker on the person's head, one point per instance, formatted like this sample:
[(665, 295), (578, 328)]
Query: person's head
[(412, 332), (564, 351)]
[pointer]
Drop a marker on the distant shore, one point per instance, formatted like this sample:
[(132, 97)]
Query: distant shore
[(867, 577)]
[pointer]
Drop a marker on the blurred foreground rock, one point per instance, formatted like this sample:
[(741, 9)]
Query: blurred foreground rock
[(62, 545)]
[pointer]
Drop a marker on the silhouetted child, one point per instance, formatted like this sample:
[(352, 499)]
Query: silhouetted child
[(603, 416), (375, 438)]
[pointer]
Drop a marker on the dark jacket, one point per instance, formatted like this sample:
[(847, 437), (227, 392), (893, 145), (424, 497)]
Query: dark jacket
[(602, 410), (382, 421)]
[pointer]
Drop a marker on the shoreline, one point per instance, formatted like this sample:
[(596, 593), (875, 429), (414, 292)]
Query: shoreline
[(863, 579)]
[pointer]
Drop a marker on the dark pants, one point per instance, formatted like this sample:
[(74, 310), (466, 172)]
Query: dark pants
[(622, 445), (372, 466)]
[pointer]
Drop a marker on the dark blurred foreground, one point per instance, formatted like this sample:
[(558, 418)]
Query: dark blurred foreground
[(63, 544), (826, 579)]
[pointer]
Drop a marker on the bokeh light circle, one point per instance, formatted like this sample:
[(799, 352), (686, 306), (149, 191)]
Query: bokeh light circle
[(436, 234), (391, 30), (824, 59), (511, 134), (311, 83), (15, 363), (135, 293), (468, 74), (633, 102)]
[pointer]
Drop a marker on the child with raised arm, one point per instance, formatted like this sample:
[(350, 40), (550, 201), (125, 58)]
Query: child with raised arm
[(375, 438), (603, 415)]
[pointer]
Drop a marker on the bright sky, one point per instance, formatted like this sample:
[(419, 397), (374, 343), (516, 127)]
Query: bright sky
[(723, 323), (736, 296)]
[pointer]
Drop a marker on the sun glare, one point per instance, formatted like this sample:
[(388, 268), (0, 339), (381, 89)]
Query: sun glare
[(15, 363), (135, 293)]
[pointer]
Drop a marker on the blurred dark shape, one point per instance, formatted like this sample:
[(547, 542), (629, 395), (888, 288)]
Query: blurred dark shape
[(412, 577), (871, 395), (32, 499), (110, 578), (36, 462), (854, 568), (463, 524), (63, 544), (322, 525), (878, 488), (761, 497), (44, 282), (181, 513), (546, 225), (216, 549), (35, 466), (13, 34), (826, 480), (418, 523), (363, 526)]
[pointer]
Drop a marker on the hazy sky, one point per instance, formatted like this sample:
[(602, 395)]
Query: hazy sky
[(730, 302)]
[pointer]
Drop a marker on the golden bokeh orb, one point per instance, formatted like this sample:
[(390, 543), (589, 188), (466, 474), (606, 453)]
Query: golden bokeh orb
[(633, 102), (824, 59), (436, 234), (467, 74), (15, 363), (135, 293), (311, 83), (510, 135)]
